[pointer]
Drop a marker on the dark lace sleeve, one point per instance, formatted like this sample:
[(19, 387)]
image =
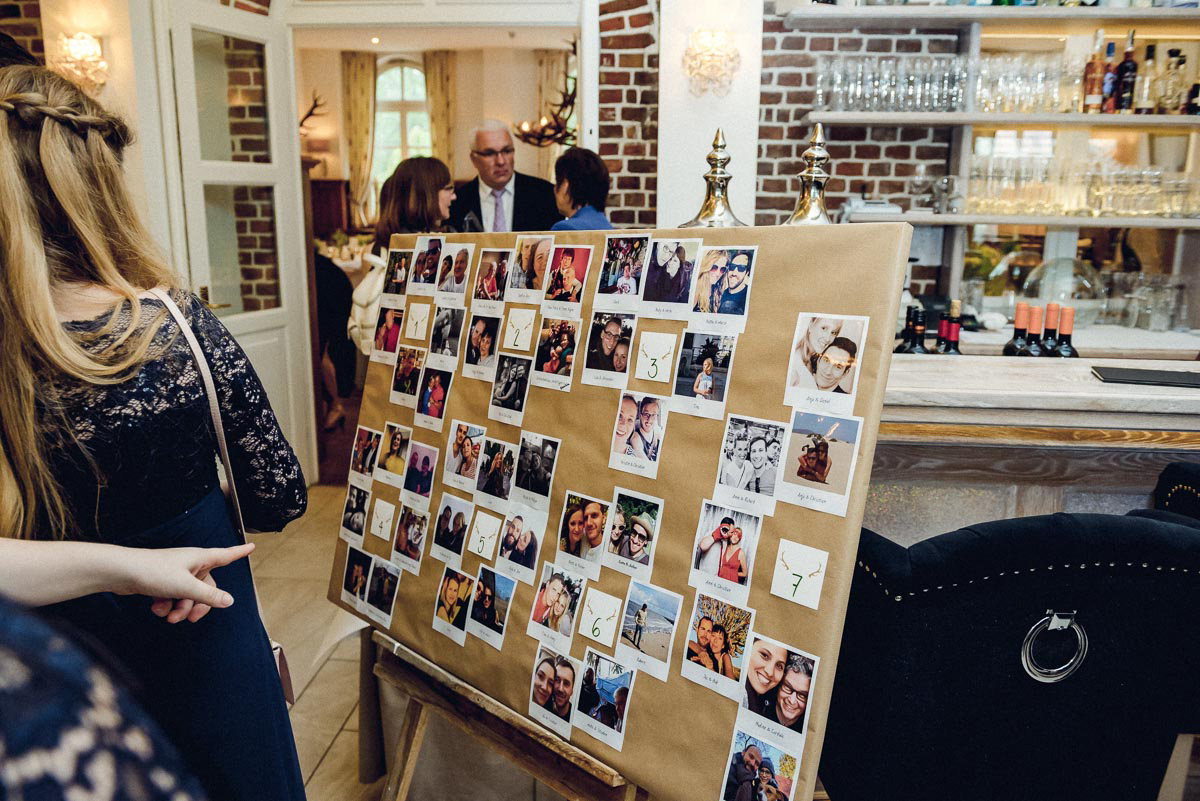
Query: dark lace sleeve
[(269, 481)]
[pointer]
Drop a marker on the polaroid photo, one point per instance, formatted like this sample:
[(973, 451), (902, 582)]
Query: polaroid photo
[(494, 476), (604, 694), (454, 275), (620, 284), (610, 337), (524, 533), (823, 367), (715, 649), (406, 380), (418, 478), (702, 374), (581, 534), (656, 356), (416, 321), (409, 546), (463, 447), (774, 702), (723, 553), (381, 592), (354, 515), (356, 578), (488, 614), (721, 298), (748, 465), (536, 463), (669, 277), (554, 690), (600, 616), (381, 519), (648, 628), (445, 338), (638, 433), (821, 455), (451, 518), (527, 275), (363, 455), (395, 284), (450, 608), (632, 533), (799, 573), (484, 534), (479, 354), (491, 281), (568, 274), (510, 390), (422, 280), (518, 329), (552, 618), (554, 359), (759, 770), (432, 398), (389, 467), (387, 334)]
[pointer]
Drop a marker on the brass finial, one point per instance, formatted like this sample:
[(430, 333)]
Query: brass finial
[(715, 211), (810, 207)]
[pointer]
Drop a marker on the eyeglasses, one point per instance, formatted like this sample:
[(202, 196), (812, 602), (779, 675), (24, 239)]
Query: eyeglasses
[(491, 154), (607, 335), (649, 415), (846, 365), (741, 268), (639, 536)]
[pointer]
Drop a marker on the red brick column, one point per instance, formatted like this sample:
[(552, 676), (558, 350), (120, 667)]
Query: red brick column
[(23, 22)]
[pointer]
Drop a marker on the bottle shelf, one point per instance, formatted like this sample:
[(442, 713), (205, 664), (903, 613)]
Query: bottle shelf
[(1149, 21), (1050, 221), (1181, 122)]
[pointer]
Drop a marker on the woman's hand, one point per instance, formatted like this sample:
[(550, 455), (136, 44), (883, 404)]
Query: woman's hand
[(178, 579)]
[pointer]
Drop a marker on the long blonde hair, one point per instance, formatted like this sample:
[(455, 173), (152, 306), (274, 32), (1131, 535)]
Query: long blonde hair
[(65, 218)]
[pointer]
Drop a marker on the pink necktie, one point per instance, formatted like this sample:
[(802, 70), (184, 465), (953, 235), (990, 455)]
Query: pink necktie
[(498, 223)]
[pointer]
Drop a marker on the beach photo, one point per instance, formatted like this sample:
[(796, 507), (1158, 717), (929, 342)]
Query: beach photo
[(818, 466), (648, 625)]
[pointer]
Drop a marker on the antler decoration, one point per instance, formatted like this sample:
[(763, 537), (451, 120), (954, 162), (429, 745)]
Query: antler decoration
[(552, 130), (315, 110)]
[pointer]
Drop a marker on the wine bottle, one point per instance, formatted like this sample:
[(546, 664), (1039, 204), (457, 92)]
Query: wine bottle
[(1020, 328), (1126, 81), (954, 329), (1110, 79), (1050, 334), (1093, 77), (1065, 326), (906, 335), (943, 325), (1033, 340), (918, 340), (1145, 99)]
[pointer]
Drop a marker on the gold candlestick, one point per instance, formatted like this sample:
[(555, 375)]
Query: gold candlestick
[(810, 207), (715, 211)]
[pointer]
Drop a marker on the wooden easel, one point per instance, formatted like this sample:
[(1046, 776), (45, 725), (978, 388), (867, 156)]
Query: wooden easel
[(556, 763)]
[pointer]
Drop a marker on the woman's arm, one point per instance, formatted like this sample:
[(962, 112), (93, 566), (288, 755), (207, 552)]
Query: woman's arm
[(741, 565)]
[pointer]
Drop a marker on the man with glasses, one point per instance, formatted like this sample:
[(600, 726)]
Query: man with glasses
[(733, 297), (601, 358), (638, 535), (499, 198)]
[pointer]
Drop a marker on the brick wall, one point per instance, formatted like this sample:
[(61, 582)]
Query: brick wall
[(246, 76), (23, 22), (254, 210), (629, 108), (255, 6)]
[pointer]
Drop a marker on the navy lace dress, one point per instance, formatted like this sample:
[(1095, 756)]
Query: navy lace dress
[(137, 462)]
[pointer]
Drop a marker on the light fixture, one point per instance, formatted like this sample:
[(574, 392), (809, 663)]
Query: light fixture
[(80, 60), (374, 40), (710, 61)]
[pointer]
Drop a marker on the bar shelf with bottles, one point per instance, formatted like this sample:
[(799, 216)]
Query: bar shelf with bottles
[(802, 15)]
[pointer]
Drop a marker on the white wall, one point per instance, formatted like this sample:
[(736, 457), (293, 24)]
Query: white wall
[(321, 71), (497, 83), (687, 123)]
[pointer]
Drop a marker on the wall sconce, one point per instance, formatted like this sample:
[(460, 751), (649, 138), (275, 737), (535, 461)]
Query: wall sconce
[(710, 61), (80, 60)]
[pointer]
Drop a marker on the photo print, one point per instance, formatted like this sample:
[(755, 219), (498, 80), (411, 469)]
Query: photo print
[(721, 299), (479, 356), (407, 378), (774, 703), (453, 515), (670, 274), (716, 645), (702, 375), (599, 616), (523, 533), (395, 285), (648, 628), (823, 367), (454, 275), (519, 328), (581, 534), (494, 476), (620, 284), (356, 578), (445, 337), (381, 592), (552, 618), (606, 363), (510, 389), (527, 275), (450, 608), (535, 469), (463, 447), (822, 452), (354, 515), (389, 467), (432, 397), (554, 690), (758, 770), (416, 321), (633, 527), (381, 519), (418, 478), (655, 356), (490, 603), (485, 531), (409, 545), (554, 358), (723, 554), (568, 273), (748, 466), (491, 282), (387, 334), (638, 433), (428, 255), (604, 693), (799, 573), (364, 452)]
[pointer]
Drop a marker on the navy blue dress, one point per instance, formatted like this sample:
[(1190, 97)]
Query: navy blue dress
[(137, 463)]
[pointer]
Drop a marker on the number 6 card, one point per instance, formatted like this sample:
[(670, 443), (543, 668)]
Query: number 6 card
[(601, 614)]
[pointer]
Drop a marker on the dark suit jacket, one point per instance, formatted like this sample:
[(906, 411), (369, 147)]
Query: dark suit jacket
[(534, 208)]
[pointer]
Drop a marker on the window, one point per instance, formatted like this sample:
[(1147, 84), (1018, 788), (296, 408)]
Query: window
[(401, 121)]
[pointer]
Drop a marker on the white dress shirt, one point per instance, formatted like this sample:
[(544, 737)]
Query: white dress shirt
[(487, 204)]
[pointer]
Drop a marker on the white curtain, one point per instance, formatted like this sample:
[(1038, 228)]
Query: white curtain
[(358, 113), (439, 91)]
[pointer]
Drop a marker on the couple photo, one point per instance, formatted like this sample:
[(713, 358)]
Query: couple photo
[(778, 681)]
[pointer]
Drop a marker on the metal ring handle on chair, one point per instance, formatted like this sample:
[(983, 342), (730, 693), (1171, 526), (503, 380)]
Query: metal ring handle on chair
[(1052, 675)]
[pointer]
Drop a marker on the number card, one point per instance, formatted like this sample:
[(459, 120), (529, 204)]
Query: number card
[(656, 356), (484, 533), (799, 573), (601, 613)]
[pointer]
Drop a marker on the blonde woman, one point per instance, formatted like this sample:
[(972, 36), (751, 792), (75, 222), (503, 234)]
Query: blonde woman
[(105, 436)]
